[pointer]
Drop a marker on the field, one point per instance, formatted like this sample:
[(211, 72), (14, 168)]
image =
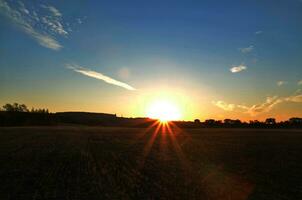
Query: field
[(155, 163)]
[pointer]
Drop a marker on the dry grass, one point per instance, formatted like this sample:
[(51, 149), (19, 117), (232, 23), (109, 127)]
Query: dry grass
[(118, 163)]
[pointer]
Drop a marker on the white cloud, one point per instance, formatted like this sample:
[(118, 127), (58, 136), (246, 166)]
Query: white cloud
[(53, 10), (257, 109), (23, 21), (22, 7), (237, 69), (265, 106), (54, 20), (97, 75), (295, 98), (223, 105), (54, 25), (46, 41), (258, 32), (35, 16), (280, 83), (300, 82), (247, 49)]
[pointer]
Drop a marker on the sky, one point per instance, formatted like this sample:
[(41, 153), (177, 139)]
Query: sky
[(213, 59)]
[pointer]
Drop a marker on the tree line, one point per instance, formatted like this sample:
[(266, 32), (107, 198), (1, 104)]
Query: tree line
[(294, 122), (15, 107), (20, 115)]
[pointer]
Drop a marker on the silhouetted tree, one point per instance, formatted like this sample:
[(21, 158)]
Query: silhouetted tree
[(228, 121), (237, 122), (254, 122), (18, 115), (39, 110), (213, 123), (15, 107), (270, 121), (295, 121), (209, 122), (232, 123)]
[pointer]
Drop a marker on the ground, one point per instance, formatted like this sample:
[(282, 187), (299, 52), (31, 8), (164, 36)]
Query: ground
[(139, 163)]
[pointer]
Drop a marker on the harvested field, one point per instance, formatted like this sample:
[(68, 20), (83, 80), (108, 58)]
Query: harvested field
[(138, 163)]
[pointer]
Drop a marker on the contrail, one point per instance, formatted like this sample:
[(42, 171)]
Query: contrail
[(99, 76)]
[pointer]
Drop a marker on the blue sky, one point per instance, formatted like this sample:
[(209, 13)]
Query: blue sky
[(239, 59)]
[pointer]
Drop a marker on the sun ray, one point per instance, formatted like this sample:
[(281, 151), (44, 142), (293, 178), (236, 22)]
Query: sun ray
[(177, 148), (146, 130), (149, 145)]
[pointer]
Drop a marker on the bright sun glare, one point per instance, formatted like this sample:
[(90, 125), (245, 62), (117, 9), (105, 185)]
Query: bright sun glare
[(163, 111)]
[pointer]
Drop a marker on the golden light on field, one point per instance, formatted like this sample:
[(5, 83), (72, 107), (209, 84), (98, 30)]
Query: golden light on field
[(163, 110)]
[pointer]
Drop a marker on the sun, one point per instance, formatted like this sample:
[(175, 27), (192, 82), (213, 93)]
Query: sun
[(164, 111)]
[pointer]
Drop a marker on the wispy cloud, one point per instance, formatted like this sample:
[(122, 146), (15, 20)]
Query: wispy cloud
[(41, 28), (223, 105), (295, 98), (79, 21), (237, 69), (54, 25), (271, 102), (247, 49), (257, 109), (53, 10), (299, 82), (54, 20), (265, 106), (280, 83), (97, 75), (258, 32), (23, 8)]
